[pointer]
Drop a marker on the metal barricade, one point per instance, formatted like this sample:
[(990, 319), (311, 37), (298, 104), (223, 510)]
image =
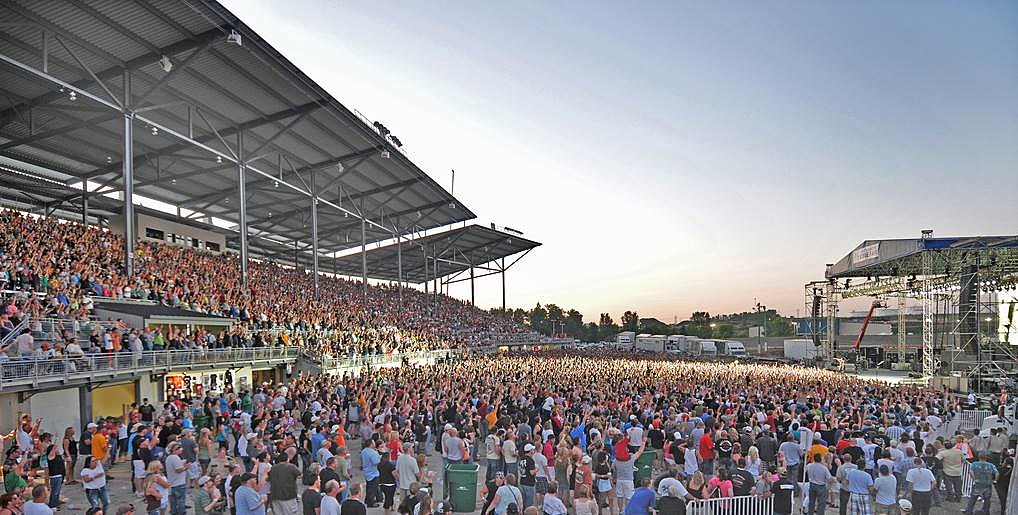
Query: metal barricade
[(972, 419), (741, 505)]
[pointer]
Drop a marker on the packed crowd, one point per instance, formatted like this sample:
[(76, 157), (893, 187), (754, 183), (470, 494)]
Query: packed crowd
[(555, 433), (71, 264)]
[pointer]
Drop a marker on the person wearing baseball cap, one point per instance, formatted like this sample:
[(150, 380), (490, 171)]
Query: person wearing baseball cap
[(528, 476), (247, 500)]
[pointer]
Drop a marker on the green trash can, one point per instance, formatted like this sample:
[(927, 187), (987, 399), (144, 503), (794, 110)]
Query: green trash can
[(645, 464), (462, 484)]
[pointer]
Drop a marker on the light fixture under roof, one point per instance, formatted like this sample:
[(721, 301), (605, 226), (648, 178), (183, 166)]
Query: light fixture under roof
[(385, 154), (173, 181), (166, 64), (275, 184), (155, 131), (72, 96), (219, 159), (234, 38)]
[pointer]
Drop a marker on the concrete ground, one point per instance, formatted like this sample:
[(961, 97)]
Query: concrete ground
[(120, 491)]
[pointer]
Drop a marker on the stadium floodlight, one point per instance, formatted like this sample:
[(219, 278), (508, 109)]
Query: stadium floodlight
[(166, 64), (234, 38), (396, 141)]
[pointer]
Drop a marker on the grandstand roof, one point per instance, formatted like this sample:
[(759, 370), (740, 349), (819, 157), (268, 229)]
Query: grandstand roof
[(193, 93), (903, 257), (457, 250)]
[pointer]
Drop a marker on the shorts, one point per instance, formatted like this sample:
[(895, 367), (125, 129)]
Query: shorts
[(540, 485), (139, 469), (604, 486), (624, 489)]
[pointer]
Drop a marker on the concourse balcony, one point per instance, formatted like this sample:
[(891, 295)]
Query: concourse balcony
[(19, 374)]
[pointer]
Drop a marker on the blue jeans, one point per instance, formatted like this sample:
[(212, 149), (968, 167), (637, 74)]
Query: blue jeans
[(55, 484), (817, 499), (493, 467), (528, 496), (98, 497), (984, 491), (178, 500)]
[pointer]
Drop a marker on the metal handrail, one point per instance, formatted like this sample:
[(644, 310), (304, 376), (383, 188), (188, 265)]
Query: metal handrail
[(21, 371), (9, 337)]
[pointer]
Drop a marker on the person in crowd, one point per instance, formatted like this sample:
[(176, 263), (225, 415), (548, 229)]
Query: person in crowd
[(984, 474), (93, 479)]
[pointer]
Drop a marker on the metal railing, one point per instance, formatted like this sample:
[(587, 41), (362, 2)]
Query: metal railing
[(970, 419), (9, 337), (32, 371), (741, 505)]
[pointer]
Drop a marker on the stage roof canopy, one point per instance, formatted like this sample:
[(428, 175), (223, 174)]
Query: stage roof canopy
[(456, 250), (903, 257), (206, 93)]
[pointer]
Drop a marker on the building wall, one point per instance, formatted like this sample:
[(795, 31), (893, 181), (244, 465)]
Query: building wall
[(59, 410), (112, 400)]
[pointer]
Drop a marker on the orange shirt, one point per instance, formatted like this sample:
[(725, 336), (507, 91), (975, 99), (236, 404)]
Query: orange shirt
[(100, 447)]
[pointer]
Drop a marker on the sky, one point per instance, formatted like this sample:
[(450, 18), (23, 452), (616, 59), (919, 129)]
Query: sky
[(682, 156)]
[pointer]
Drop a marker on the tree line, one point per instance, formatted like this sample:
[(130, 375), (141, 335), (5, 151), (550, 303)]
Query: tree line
[(552, 320)]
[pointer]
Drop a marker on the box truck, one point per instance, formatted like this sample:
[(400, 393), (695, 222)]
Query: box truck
[(651, 342), (733, 348), (799, 350)]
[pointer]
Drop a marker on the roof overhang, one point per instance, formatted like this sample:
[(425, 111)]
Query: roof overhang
[(201, 106)]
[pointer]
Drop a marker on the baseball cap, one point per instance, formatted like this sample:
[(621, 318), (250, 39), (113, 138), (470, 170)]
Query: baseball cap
[(528, 447), (335, 428), (747, 429), (905, 504), (586, 459), (677, 435), (632, 417), (448, 426), (246, 476), (125, 509), (204, 479), (91, 425)]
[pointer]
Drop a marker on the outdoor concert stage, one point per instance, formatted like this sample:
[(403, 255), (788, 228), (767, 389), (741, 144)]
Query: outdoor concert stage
[(965, 285)]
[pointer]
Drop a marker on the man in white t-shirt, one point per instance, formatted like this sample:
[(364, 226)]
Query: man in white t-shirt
[(920, 481)]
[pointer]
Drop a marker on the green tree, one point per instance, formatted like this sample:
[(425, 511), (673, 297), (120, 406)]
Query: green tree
[(724, 331), (537, 319), (574, 323), (630, 321), (606, 328)]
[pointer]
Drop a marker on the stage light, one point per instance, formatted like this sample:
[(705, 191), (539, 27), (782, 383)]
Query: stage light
[(166, 64), (396, 141), (234, 38)]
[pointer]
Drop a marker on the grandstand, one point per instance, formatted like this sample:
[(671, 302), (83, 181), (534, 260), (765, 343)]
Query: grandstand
[(170, 178)]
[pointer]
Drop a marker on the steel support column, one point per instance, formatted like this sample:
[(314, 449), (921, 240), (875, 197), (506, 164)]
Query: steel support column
[(364, 256), (242, 191), (314, 230), (128, 179), (399, 265), (471, 286), (84, 201), (503, 284)]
